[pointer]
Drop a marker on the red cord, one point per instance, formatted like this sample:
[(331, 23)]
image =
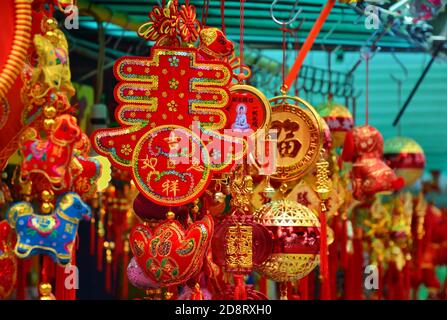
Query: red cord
[(284, 57), (324, 271), (222, 14), (205, 12), (297, 47), (241, 38), (366, 104)]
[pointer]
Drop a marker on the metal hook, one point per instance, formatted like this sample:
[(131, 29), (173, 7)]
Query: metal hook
[(287, 22), (402, 67)]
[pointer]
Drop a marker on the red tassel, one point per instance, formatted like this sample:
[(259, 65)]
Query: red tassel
[(125, 281), (22, 271), (108, 277), (263, 285), (60, 283), (358, 269), (100, 253), (71, 293), (334, 257), (304, 288), (92, 236), (311, 285), (324, 270), (196, 293), (240, 291), (380, 289)]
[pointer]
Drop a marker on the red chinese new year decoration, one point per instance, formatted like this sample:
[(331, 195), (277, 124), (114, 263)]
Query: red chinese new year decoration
[(170, 255), (370, 175), (171, 160), (50, 156)]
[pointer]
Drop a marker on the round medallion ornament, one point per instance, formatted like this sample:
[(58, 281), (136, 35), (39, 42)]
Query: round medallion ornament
[(167, 167), (299, 137), (249, 110)]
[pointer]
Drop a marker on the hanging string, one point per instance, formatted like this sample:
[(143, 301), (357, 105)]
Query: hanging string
[(205, 7), (399, 93), (297, 47), (329, 69), (367, 91), (241, 38), (222, 15), (284, 57)]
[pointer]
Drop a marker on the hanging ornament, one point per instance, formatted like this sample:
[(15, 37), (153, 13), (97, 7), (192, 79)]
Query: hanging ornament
[(48, 82), (295, 231), (172, 137), (370, 175), (249, 110), (406, 157), (50, 156), (171, 255), (8, 261), (299, 135), (52, 234), (239, 243), (339, 120)]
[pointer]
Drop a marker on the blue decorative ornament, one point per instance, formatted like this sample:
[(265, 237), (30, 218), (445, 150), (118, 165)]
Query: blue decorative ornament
[(52, 234)]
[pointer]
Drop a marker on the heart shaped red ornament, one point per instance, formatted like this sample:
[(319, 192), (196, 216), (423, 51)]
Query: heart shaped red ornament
[(171, 255)]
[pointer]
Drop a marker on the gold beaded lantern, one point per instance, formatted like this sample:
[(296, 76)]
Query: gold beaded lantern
[(295, 232)]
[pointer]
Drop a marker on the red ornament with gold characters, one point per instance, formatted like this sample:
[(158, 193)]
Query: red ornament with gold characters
[(406, 157), (160, 97)]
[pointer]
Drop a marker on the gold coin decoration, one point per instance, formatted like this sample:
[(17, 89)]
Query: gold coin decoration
[(299, 137)]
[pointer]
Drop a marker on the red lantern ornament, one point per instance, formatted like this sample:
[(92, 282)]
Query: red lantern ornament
[(339, 120), (295, 232), (370, 175), (8, 261), (406, 157), (171, 255)]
